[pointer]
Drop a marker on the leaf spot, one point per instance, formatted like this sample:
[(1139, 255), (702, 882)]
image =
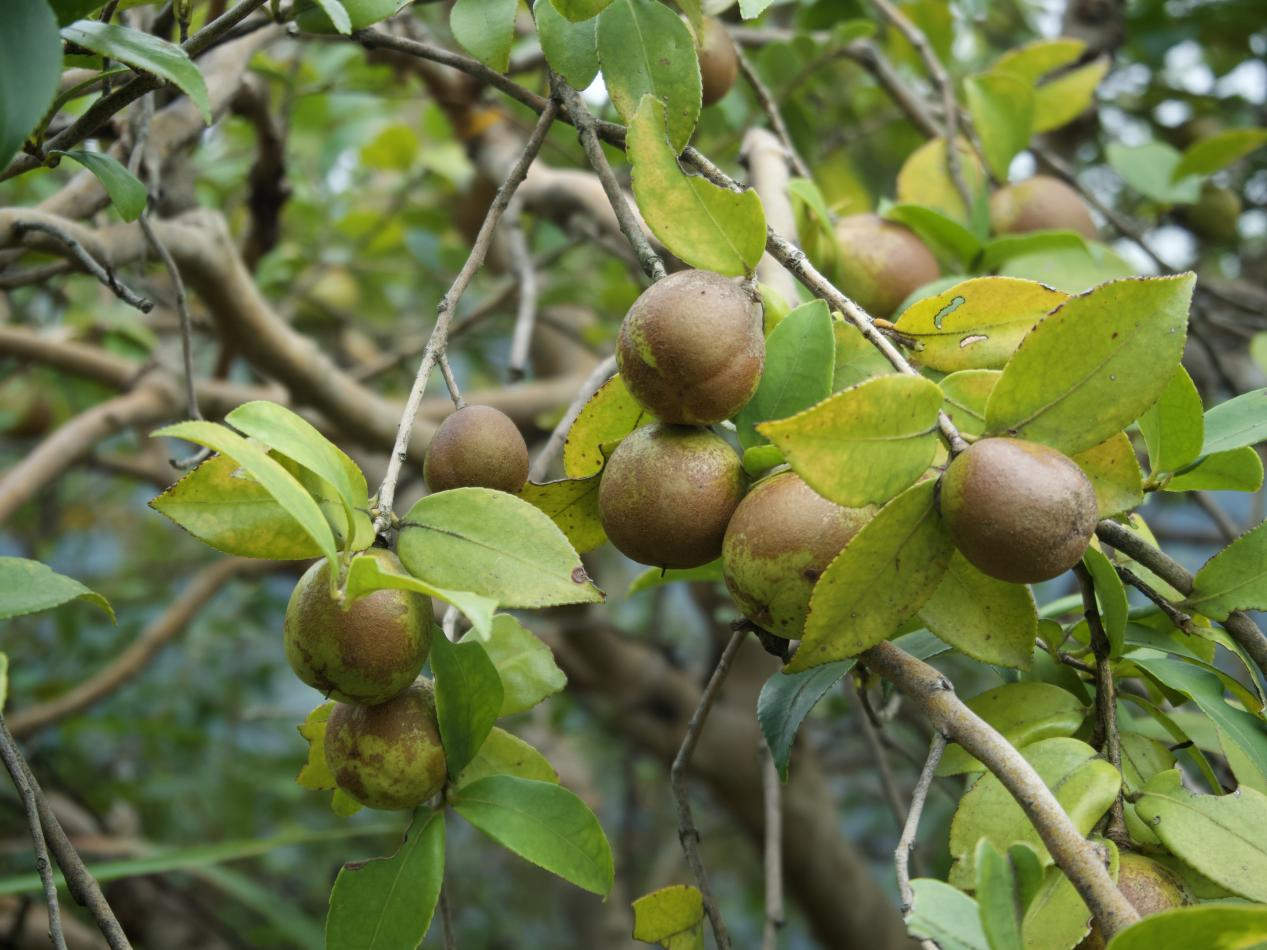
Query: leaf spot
[(947, 310), (971, 339)]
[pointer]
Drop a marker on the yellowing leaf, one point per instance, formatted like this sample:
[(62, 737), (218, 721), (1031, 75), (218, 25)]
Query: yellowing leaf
[(1062, 100), (610, 415), (572, 504), (704, 225), (1035, 60), (1114, 473), (977, 324), (924, 179), (981, 617), (1002, 107), (882, 577), (316, 772), (672, 917), (865, 444), (1094, 365)]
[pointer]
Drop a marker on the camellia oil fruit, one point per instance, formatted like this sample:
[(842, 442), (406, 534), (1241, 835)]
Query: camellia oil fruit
[(477, 447), (880, 263)]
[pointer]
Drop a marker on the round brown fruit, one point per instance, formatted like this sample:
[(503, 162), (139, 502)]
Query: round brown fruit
[(718, 61), (1019, 511), (366, 653), (1149, 886), (387, 756), (779, 541), (1040, 203), (691, 348), (477, 447), (881, 263), (667, 493)]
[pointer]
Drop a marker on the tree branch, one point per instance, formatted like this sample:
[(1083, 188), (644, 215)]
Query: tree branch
[(906, 843), (103, 274), (771, 792)]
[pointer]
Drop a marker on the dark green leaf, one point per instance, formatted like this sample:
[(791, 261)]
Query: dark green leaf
[(28, 587), (125, 190), (30, 66), (787, 698), (468, 698), (570, 48)]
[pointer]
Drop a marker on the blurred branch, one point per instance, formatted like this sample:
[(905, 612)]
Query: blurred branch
[(541, 464), (771, 792), (771, 109), (526, 306), (105, 275), (871, 730)]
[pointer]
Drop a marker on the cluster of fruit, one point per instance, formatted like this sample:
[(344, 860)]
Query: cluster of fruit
[(691, 351), (382, 740)]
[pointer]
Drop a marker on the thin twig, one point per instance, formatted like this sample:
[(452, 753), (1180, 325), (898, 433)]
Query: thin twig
[(688, 834), (1176, 616), (871, 729), (906, 843), (450, 381), (16, 768), (526, 306), (104, 274), (1227, 527), (1105, 735), (942, 82), (541, 464), (771, 793), (629, 225), (771, 109), (446, 920), (448, 303)]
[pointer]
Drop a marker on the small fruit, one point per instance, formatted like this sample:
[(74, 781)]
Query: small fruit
[(691, 348), (1019, 511), (366, 653), (667, 493), (1149, 886), (880, 263), (477, 447), (718, 60), (1216, 214), (779, 541), (1040, 203), (388, 756)]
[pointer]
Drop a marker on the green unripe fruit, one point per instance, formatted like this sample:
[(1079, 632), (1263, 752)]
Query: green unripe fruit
[(779, 541), (388, 756), (667, 494), (1216, 214), (1149, 886), (366, 653), (477, 447), (718, 61), (881, 263), (1019, 511), (1040, 203), (691, 348)]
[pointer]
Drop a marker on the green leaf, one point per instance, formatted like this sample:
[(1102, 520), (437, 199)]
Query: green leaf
[(570, 48), (943, 234), (1218, 151), (856, 359), (658, 576), (388, 903), (1058, 917), (864, 444), (542, 823), (1062, 100), (787, 698), (672, 917), (525, 665), (998, 896), (967, 392), (578, 10), (298, 439), (1002, 108), (68, 11), (1238, 422), (646, 50), (1150, 168), (1219, 835), (368, 574), (224, 507), (1032, 61), (706, 226), (1206, 690), (144, 52), (924, 179), (1113, 471), (316, 773), (751, 9), (486, 29), (999, 250), (609, 415), (1208, 926), (468, 698), (1173, 428), (496, 545), (1023, 713), (1072, 268), (945, 915), (1111, 597), (881, 578), (800, 355), (283, 487), (4, 680), (28, 587), (359, 14), (337, 15), (1234, 579), (505, 754), (759, 459), (125, 190), (1234, 470), (30, 69), (981, 617), (1198, 653), (977, 324), (1084, 785), (1094, 365), (572, 504)]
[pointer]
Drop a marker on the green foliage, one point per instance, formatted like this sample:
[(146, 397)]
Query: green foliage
[(486, 28), (387, 903), (1057, 916), (28, 587), (1110, 595), (524, 664), (1002, 108), (673, 917), (542, 823), (468, 694), (946, 915), (1234, 579), (705, 225), (366, 575), (981, 617), (570, 48), (1174, 428), (1023, 713), (504, 753), (1005, 884), (578, 10), (126, 192), (30, 68), (787, 698), (1216, 926), (1212, 154)]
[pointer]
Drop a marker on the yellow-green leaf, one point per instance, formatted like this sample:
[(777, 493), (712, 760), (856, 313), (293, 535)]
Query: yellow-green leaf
[(610, 415), (967, 392), (572, 504), (672, 917), (981, 617), (924, 179), (1035, 60), (368, 574), (1023, 713), (1002, 107), (1218, 151), (506, 754), (1066, 97), (316, 773), (1114, 473), (1208, 926), (1174, 428)]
